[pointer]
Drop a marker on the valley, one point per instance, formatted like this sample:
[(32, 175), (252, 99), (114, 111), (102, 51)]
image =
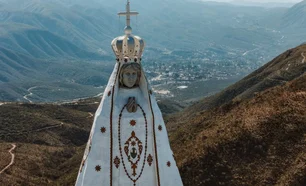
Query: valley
[(64, 51)]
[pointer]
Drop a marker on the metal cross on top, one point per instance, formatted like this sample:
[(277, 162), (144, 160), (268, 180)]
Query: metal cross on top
[(128, 15)]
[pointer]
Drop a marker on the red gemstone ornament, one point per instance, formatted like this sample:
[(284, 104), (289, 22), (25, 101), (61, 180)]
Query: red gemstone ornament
[(168, 163), (160, 128), (103, 129), (132, 123), (150, 159)]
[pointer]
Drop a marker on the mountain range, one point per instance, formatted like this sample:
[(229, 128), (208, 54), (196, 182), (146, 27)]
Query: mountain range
[(252, 133), (294, 18), (44, 33)]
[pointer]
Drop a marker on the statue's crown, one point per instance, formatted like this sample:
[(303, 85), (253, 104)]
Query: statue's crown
[(128, 48)]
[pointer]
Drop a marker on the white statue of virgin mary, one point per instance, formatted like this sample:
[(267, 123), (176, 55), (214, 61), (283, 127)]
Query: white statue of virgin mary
[(128, 143)]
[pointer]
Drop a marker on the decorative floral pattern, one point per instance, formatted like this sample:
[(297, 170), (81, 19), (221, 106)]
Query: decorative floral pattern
[(98, 168), (150, 159), (133, 149), (169, 164), (117, 162), (133, 153), (160, 128), (132, 123), (103, 129)]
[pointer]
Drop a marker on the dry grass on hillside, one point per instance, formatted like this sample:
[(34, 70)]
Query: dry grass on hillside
[(261, 141), (38, 165), (43, 155), (44, 124)]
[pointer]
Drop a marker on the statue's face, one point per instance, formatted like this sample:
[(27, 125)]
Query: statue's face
[(129, 77)]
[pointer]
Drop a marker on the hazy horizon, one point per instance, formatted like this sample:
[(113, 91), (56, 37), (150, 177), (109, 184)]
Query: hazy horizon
[(258, 1)]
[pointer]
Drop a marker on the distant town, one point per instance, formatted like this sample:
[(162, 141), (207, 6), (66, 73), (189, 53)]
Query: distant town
[(181, 68)]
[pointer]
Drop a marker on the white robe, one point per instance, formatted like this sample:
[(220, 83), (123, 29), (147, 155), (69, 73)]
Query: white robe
[(128, 149)]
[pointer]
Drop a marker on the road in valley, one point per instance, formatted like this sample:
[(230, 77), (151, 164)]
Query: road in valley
[(30, 94), (14, 146), (90, 115), (247, 52), (12, 160), (282, 38)]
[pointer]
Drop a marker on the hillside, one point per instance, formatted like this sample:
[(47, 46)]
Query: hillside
[(293, 21), (43, 56), (254, 140), (39, 43), (63, 20), (285, 67), (257, 141), (67, 120), (295, 17), (59, 79), (32, 57), (45, 135), (15, 66), (252, 133)]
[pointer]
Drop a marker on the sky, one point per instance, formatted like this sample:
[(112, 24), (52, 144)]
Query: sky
[(261, 1), (268, 3)]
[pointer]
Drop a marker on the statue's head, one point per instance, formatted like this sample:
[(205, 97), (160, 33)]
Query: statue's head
[(130, 75)]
